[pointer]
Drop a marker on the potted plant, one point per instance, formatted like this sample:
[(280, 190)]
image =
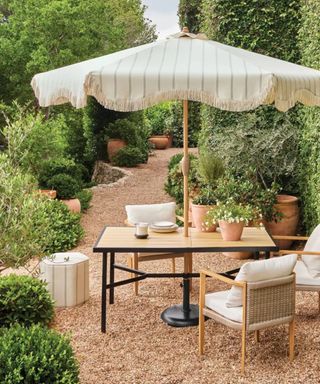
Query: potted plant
[(232, 218), (115, 133), (159, 122), (210, 169), (67, 187)]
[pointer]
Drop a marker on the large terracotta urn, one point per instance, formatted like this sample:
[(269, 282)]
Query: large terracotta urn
[(288, 206), (159, 141), (50, 193), (74, 205), (113, 147), (198, 217)]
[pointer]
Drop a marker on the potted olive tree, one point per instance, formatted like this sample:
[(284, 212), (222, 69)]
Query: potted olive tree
[(210, 169)]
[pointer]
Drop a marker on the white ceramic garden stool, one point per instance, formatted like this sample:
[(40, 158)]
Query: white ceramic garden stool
[(67, 276)]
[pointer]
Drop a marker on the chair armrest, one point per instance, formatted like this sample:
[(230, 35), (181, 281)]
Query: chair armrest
[(286, 252), (204, 273), (280, 237), (181, 218)]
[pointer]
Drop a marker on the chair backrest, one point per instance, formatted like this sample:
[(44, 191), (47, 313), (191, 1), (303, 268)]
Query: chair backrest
[(270, 302), (151, 213), (312, 262), (261, 271)]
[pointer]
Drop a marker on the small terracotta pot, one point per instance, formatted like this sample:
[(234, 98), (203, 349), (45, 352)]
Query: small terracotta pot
[(51, 193), (114, 146), (231, 231), (159, 141), (198, 214), (73, 205), (288, 206)]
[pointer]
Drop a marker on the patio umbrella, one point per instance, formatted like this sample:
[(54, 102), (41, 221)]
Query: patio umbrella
[(183, 67)]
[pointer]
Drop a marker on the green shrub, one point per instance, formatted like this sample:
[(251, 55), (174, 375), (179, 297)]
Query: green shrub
[(66, 186), (85, 197), (128, 157), (55, 167), (159, 119), (24, 300), (64, 231), (36, 355), (174, 182)]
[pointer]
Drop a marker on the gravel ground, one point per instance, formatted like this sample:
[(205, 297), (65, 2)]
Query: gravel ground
[(139, 348)]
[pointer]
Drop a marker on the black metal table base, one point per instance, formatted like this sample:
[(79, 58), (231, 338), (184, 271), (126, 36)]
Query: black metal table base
[(176, 316)]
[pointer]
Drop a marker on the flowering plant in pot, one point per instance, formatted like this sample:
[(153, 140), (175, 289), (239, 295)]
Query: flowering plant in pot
[(232, 218)]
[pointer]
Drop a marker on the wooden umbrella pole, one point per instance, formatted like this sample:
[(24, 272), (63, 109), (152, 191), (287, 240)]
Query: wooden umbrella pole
[(185, 169)]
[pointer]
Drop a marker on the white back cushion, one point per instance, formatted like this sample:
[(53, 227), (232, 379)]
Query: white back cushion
[(258, 271), (150, 213), (313, 244)]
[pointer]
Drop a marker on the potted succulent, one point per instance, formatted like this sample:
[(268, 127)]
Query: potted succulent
[(232, 218), (67, 187), (210, 169)]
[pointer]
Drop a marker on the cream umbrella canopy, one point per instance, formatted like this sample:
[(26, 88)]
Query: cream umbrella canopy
[(183, 67)]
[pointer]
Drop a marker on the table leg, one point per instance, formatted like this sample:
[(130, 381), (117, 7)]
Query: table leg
[(185, 314), (104, 293), (111, 293)]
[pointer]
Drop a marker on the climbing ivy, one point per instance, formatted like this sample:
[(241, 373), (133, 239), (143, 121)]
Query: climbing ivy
[(309, 164)]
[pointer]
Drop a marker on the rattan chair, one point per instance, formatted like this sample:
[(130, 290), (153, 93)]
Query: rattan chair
[(304, 280), (155, 214), (264, 304)]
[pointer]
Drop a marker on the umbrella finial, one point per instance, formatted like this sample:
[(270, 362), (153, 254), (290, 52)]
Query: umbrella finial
[(185, 29)]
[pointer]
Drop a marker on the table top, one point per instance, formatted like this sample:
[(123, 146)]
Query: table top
[(122, 239)]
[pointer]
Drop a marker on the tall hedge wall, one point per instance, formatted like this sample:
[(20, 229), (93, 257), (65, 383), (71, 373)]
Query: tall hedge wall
[(267, 27), (309, 167)]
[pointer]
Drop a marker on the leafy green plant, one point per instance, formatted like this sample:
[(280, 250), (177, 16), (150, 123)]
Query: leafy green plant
[(24, 300), (205, 196), (66, 166), (211, 167), (64, 231), (247, 190), (232, 213), (36, 355), (128, 157), (85, 196), (159, 119), (66, 186), (174, 182)]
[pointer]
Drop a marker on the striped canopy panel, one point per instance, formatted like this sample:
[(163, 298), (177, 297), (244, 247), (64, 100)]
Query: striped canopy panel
[(183, 67)]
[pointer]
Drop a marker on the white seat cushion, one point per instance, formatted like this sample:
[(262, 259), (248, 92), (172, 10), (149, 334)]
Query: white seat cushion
[(258, 271), (217, 302), (150, 213), (313, 244), (303, 276)]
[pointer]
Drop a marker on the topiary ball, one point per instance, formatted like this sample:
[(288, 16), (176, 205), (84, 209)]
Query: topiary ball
[(36, 355), (24, 300), (65, 185)]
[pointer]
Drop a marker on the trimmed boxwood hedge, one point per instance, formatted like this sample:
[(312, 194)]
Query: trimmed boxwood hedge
[(36, 355)]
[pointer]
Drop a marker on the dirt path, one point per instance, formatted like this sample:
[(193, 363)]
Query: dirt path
[(138, 347)]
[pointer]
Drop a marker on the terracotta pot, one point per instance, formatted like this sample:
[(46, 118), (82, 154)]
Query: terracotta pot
[(160, 142), (198, 214), (113, 147), (288, 206), (170, 140), (51, 193), (73, 205), (238, 255), (231, 231)]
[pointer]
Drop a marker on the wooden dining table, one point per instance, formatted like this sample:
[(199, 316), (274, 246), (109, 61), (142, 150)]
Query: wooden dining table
[(114, 240)]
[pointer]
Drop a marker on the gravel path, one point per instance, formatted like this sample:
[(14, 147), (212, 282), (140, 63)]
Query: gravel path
[(139, 348)]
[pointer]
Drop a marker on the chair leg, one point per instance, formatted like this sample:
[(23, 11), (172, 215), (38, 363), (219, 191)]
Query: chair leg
[(135, 266), (130, 265), (243, 350), (201, 316), (257, 336), (319, 301), (291, 340)]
